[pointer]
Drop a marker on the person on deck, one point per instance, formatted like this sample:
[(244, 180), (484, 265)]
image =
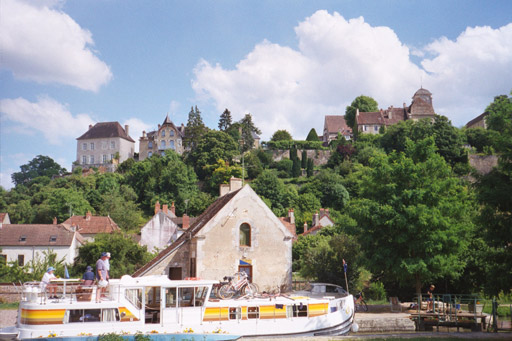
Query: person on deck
[(430, 298), (88, 277), (101, 275), (45, 282)]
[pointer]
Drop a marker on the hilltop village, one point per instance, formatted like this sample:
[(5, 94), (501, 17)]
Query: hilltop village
[(399, 194)]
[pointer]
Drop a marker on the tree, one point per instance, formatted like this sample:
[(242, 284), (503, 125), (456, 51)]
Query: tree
[(310, 168), (64, 202), (225, 120), (213, 146), (364, 104), (281, 135), (195, 128), (328, 187), (127, 255), (248, 128), (413, 216), (312, 136), (221, 172), (38, 166), (304, 159), (500, 113), (270, 187)]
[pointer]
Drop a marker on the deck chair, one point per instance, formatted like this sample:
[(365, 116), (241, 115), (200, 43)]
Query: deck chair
[(395, 304)]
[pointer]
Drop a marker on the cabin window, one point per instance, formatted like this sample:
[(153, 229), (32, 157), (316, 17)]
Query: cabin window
[(253, 312), (200, 296), (245, 235), (21, 260), (235, 313), (186, 297), (134, 296), (297, 310), (170, 297), (91, 315), (153, 297)]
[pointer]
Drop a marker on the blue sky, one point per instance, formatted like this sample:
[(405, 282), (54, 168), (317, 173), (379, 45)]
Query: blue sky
[(67, 64)]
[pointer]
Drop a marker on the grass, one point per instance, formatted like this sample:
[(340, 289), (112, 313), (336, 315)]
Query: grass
[(9, 306)]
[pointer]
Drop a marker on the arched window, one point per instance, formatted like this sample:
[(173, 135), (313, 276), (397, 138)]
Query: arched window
[(245, 235)]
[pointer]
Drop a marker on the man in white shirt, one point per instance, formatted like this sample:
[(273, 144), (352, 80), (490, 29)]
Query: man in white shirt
[(45, 282), (107, 265)]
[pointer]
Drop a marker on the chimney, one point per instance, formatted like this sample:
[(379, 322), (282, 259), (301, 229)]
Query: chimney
[(234, 184), (223, 189), (90, 126), (159, 126), (126, 127), (164, 208), (315, 219), (173, 209), (322, 213), (144, 133), (88, 216), (185, 221), (405, 106), (305, 227), (291, 216), (357, 112), (327, 212), (157, 207), (54, 220)]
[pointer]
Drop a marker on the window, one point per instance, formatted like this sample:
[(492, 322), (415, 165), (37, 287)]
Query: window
[(171, 133), (253, 312), (92, 315), (53, 238), (235, 313), (175, 273), (104, 144), (179, 142), (375, 128), (186, 297), (297, 310), (91, 159), (104, 158), (162, 145), (163, 133), (112, 144), (365, 128), (170, 297), (171, 145), (111, 156), (84, 146), (150, 144), (245, 235), (84, 159), (23, 238), (92, 145), (21, 260), (150, 154)]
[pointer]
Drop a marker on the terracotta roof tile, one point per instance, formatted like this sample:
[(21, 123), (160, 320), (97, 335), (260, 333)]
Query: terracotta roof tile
[(89, 224), (336, 124), (195, 227), (37, 235), (106, 130)]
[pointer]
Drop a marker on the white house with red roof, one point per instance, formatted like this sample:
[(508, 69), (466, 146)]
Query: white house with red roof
[(320, 220), (89, 226)]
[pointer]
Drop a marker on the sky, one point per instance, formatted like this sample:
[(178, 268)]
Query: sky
[(67, 64)]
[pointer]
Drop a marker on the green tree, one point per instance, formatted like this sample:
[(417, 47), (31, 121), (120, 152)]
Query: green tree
[(127, 255), (281, 135), (310, 168), (500, 113), (364, 104), (328, 187), (248, 128), (225, 120), (270, 187), (38, 166), (312, 135), (221, 172), (253, 164), (304, 159), (195, 128), (483, 140), (64, 202), (413, 216), (213, 146)]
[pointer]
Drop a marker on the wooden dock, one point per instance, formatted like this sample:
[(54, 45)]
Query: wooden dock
[(427, 321)]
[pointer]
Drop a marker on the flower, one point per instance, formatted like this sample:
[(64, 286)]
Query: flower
[(154, 332), (188, 330)]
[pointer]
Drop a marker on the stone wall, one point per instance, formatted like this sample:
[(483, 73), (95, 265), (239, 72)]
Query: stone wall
[(9, 292), (483, 163), (320, 157)]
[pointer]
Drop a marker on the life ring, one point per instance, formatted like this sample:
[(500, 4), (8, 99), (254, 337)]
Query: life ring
[(192, 278)]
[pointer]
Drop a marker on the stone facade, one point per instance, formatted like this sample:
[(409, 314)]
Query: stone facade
[(101, 144), (214, 246), (167, 136)]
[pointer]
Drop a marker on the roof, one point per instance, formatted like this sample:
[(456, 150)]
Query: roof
[(336, 124), (477, 119), (37, 235), (419, 107), (89, 224), (194, 228), (103, 130), (386, 117), (313, 229), (421, 92), (4, 216), (289, 226)]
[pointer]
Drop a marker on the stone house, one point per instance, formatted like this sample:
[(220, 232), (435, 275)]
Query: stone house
[(320, 220), (238, 232), (421, 107), (164, 228), (167, 136), (334, 125), (104, 145), (89, 226), (478, 122), (25, 242)]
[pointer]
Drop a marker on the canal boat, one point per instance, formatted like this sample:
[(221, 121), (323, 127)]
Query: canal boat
[(156, 305)]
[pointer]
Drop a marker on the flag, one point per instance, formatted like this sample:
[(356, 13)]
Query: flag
[(66, 273), (345, 266)]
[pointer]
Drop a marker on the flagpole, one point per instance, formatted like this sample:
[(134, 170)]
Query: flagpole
[(345, 272)]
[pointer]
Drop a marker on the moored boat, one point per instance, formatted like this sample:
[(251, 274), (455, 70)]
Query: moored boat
[(155, 305)]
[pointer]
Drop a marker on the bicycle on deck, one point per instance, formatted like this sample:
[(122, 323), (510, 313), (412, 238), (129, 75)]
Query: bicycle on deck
[(359, 302), (238, 284)]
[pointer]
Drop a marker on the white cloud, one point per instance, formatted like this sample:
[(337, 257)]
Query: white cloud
[(338, 60), (49, 117), (43, 44)]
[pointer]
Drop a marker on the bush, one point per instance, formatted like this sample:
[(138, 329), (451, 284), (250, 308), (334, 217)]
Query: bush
[(376, 292)]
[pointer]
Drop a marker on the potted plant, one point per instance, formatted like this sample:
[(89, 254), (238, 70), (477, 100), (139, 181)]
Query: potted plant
[(475, 307)]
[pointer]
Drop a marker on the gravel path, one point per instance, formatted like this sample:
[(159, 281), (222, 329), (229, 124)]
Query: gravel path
[(8, 317)]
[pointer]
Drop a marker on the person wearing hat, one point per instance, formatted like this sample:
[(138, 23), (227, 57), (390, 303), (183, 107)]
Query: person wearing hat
[(107, 265), (88, 277), (45, 282), (101, 276)]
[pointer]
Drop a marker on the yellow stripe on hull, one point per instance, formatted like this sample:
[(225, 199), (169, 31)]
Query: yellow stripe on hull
[(216, 314), (42, 316), (318, 309)]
